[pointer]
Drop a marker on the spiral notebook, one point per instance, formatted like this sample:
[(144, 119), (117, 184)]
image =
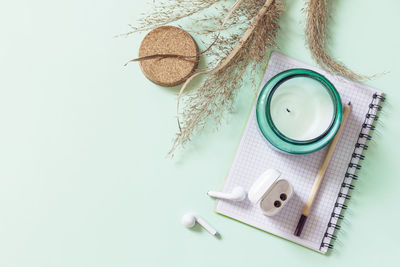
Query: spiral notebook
[(254, 156)]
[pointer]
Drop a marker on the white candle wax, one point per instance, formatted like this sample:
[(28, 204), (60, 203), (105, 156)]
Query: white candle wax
[(301, 108)]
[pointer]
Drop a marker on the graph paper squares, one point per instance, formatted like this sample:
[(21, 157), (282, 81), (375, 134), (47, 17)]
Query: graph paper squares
[(254, 155)]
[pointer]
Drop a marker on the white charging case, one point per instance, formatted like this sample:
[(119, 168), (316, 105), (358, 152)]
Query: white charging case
[(271, 192)]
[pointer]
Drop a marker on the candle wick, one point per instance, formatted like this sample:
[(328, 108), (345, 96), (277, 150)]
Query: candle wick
[(288, 110)]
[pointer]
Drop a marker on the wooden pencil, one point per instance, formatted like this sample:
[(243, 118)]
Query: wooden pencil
[(321, 173)]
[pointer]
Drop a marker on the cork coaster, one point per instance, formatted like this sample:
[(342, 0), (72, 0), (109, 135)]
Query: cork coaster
[(168, 71)]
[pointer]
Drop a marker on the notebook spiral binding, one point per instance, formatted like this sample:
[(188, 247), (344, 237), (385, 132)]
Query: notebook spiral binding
[(350, 175)]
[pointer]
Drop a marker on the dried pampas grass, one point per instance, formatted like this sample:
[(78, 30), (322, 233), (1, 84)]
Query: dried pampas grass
[(240, 37), (241, 32), (166, 12), (316, 36), (215, 96)]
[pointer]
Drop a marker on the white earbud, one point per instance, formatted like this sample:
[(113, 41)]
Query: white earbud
[(237, 194), (190, 219)]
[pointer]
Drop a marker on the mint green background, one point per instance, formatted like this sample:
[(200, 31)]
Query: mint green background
[(84, 177)]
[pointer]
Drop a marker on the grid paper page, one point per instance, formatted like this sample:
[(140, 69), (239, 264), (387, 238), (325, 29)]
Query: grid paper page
[(254, 155)]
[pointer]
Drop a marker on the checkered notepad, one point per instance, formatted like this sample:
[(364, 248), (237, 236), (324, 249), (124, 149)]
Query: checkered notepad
[(254, 156)]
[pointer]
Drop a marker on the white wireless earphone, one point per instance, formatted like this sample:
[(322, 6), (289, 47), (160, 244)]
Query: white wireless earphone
[(237, 194), (190, 219)]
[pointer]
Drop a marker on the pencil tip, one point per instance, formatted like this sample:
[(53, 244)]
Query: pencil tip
[(300, 225), (349, 103)]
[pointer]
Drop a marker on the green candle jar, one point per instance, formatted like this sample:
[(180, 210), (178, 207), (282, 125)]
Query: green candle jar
[(299, 111)]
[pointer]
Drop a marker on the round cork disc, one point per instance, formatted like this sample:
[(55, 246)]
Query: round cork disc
[(168, 71)]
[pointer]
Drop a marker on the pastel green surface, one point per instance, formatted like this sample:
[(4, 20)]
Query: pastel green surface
[(84, 176)]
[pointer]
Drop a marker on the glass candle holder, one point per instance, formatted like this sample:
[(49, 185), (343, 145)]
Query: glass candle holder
[(299, 111)]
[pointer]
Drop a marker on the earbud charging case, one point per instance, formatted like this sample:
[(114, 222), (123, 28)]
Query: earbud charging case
[(271, 192)]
